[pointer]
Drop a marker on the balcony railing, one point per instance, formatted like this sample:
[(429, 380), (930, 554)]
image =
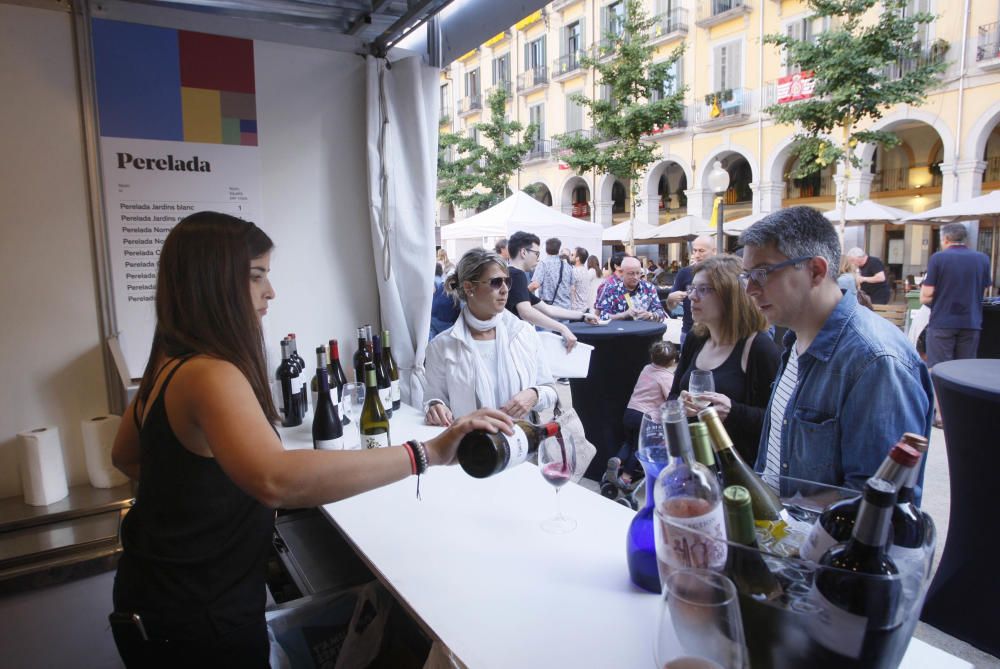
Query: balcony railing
[(823, 187), (717, 11), (889, 180), (541, 150), (566, 65), (577, 210), (470, 104), (992, 172), (677, 126), (674, 22), (533, 78), (988, 47), (904, 66), (444, 113), (724, 107), (504, 86)]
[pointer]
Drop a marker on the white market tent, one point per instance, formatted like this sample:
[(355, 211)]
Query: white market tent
[(520, 211), (685, 228), (619, 232), (867, 211)]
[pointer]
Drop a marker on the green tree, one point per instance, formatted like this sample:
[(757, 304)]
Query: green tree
[(478, 178), (637, 103), (867, 61)]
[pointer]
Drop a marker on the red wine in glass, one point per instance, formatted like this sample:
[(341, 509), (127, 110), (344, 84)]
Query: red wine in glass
[(556, 473)]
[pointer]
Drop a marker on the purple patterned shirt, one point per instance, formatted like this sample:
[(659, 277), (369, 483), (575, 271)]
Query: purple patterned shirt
[(612, 300)]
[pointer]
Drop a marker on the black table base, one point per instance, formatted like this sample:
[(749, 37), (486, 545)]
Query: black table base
[(964, 597), (621, 350)]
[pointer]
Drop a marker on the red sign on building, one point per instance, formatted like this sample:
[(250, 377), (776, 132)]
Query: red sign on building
[(796, 87)]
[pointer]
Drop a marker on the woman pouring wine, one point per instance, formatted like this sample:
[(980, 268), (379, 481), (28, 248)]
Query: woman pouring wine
[(199, 438), (489, 358)]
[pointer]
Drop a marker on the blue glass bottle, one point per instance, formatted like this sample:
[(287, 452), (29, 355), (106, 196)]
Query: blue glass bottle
[(640, 545)]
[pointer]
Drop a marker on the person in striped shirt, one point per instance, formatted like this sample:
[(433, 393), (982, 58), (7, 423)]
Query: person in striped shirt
[(850, 384)]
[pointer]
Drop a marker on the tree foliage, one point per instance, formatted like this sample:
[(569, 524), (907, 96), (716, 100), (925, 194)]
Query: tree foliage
[(866, 62), (474, 176), (635, 106)]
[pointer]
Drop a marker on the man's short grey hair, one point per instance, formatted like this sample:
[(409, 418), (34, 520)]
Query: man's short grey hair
[(471, 267), (797, 232), (954, 233), (856, 252)]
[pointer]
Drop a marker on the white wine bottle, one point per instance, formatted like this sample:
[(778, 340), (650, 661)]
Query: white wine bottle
[(483, 454), (374, 420), (327, 430), (391, 370), (381, 378)]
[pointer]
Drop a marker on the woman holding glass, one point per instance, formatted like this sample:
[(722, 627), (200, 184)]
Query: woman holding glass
[(489, 358), (199, 439), (730, 348)]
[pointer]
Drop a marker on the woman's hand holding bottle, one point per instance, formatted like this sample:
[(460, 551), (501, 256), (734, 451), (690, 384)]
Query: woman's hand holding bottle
[(442, 449)]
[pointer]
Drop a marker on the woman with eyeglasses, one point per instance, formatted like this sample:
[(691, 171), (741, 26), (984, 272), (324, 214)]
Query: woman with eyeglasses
[(729, 339), (489, 358)]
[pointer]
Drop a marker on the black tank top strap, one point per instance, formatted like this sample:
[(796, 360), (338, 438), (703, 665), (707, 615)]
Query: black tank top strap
[(163, 387), (170, 376)]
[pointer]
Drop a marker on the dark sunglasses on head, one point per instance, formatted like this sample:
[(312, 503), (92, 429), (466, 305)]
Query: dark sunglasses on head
[(496, 282)]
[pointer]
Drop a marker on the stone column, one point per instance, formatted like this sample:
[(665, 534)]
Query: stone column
[(699, 202), (601, 212), (767, 196)]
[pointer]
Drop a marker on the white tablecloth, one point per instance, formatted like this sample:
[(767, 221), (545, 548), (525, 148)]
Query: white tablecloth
[(471, 561)]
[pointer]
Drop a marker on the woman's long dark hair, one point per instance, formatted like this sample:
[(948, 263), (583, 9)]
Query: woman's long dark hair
[(203, 303)]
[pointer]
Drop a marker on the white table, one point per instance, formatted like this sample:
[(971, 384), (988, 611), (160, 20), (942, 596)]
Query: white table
[(471, 562)]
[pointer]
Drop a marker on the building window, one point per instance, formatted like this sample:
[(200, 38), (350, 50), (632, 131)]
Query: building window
[(613, 18), (727, 71), (501, 71), (536, 114), (472, 83), (443, 102), (534, 55), (574, 114)]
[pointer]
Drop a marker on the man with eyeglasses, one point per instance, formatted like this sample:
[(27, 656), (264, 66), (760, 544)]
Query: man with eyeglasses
[(850, 383), (524, 251)]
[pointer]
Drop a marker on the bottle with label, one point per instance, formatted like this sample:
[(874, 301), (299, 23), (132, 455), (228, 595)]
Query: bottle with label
[(909, 523), (384, 386), (314, 385), (287, 376), (746, 567), (337, 379), (374, 421), (703, 453), (766, 505), (690, 525), (484, 454), (361, 357), (391, 370), (303, 388), (857, 590), (835, 524), (327, 431)]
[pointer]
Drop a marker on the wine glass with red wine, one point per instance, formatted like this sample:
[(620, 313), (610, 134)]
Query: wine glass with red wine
[(557, 462)]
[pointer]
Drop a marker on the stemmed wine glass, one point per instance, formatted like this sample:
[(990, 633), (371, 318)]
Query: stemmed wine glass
[(701, 382), (354, 401), (557, 462), (699, 626)]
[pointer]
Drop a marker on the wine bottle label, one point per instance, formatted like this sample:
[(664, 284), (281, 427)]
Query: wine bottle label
[(380, 440), (394, 386), (313, 396), (817, 543), (330, 444), (834, 628), (695, 541), (518, 444), (385, 395)]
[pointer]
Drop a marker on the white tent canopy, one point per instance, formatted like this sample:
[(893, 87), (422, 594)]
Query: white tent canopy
[(868, 211), (619, 232), (982, 207), (684, 228), (520, 211)]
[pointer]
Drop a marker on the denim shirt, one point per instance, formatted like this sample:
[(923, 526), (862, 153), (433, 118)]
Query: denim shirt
[(861, 385)]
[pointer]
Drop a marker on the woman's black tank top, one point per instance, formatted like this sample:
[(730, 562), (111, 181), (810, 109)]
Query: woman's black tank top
[(195, 545)]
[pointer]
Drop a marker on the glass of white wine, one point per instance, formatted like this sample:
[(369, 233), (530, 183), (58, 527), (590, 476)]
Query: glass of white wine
[(699, 625), (700, 382), (354, 401)]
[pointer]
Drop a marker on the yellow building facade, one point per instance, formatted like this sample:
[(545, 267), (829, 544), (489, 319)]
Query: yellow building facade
[(950, 147)]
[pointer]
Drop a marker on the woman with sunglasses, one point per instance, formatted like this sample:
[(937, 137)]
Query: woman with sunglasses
[(489, 358), (730, 339), (199, 439)]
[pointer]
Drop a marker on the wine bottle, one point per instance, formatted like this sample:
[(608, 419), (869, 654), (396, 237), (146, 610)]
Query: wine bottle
[(858, 604), (744, 566), (484, 454), (314, 385), (703, 449), (303, 387), (909, 523), (835, 524), (327, 431), (766, 505), (374, 422), (391, 370), (690, 523), (361, 357), (338, 379), (287, 377), (384, 386)]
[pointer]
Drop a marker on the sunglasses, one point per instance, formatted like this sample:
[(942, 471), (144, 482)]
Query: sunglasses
[(496, 282)]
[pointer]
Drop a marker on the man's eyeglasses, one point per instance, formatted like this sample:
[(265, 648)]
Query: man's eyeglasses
[(759, 274), (537, 252), (700, 290), (496, 282)]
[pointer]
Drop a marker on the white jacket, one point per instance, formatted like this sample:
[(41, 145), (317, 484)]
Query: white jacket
[(450, 367)]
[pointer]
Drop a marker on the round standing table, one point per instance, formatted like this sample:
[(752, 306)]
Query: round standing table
[(964, 597), (621, 350)]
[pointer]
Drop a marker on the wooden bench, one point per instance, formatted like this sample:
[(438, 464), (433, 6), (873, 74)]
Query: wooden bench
[(894, 313)]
